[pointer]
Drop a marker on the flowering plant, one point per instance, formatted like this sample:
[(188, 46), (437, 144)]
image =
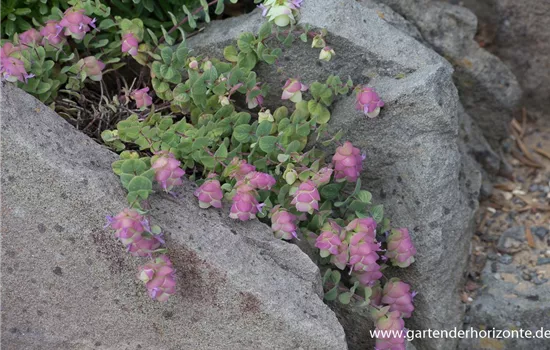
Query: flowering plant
[(258, 164)]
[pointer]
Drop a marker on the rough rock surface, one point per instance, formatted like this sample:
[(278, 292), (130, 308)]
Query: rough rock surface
[(517, 32), (488, 89), (417, 164), (508, 303), (67, 284)]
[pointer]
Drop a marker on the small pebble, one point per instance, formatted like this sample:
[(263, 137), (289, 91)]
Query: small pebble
[(539, 231), (539, 281), (492, 256), (494, 267), (497, 276), (526, 276), (533, 188), (505, 259), (543, 261)]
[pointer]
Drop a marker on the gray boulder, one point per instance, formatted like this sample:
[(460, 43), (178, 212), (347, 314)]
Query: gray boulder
[(417, 163), (517, 32), (68, 284), (488, 89)]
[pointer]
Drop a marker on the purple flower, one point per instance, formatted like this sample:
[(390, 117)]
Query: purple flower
[(329, 240), (132, 230)]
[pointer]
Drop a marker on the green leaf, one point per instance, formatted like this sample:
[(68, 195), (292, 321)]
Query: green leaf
[(264, 128), (221, 153), (326, 276), (219, 7), (241, 133), (267, 143), (332, 294), (230, 53), (191, 18), (245, 42), (377, 212), (345, 298), (335, 276), (140, 183), (265, 30), (106, 23), (166, 54), (331, 191), (364, 196), (200, 143), (247, 61)]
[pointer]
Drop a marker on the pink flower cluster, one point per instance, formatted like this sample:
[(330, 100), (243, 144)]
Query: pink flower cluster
[(306, 198), (133, 231), (167, 170), (354, 246), (401, 250), (368, 102), (210, 194), (293, 90), (245, 204), (142, 97), (130, 44), (389, 324), (283, 223), (159, 277), (74, 23), (348, 162)]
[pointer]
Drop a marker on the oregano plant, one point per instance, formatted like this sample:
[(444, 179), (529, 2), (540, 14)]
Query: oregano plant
[(203, 119)]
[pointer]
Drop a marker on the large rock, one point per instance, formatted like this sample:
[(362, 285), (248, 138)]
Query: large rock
[(417, 164), (68, 284), (517, 32), (488, 89)]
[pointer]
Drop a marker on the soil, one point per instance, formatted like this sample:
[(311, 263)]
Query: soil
[(513, 223)]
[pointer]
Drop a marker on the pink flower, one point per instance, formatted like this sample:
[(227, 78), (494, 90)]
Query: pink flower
[(239, 168), (159, 277), (254, 97), (368, 101), (142, 97), (329, 239), (259, 180), (306, 199), (348, 162), (167, 170), (401, 250), (76, 23), (293, 90), (29, 37), (8, 50), (341, 259), (397, 295), (322, 177), (391, 339), (244, 207), (51, 32), (364, 257), (92, 67), (283, 223), (132, 230), (130, 44), (364, 225), (13, 70), (210, 194)]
